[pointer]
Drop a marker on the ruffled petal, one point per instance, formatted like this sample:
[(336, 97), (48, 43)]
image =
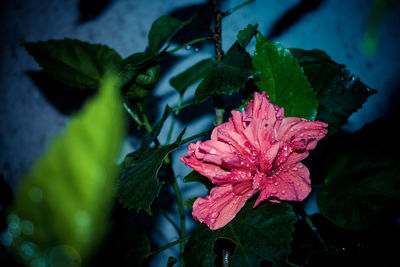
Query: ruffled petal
[(208, 170), (260, 107), (300, 133), (291, 183), (221, 206)]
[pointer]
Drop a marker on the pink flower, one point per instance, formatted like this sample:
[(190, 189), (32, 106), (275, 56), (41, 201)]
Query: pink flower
[(258, 150)]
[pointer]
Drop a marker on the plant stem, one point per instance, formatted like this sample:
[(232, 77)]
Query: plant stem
[(176, 112), (315, 231), (169, 245), (133, 115), (230, 11), (201, 39), (195, 136), (169, 219), (219, 54), (182, 219), (146, 123), (178, 108)]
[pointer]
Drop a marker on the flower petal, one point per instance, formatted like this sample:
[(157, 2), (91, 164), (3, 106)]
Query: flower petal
[(221, 206), (302, 134), (291, 183), (206, 169)]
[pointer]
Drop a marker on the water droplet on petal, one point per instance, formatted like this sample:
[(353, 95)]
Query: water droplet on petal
[(276, 183), (213, 151), (215, 215), (283, 192)]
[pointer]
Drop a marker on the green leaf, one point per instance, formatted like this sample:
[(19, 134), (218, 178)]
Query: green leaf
[(244, 36), (138, 185), (338, 91), (283, 79), (197, 177), (141, 245), (74, 62), (162, 30), (148, 139), (259, 234), (363, 184), (228, 76), (66, 197), (196, 72)]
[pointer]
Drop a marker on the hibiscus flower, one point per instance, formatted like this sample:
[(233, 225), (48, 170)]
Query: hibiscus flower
[(257, 150)]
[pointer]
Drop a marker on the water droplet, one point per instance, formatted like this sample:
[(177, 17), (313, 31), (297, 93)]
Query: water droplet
[(295, 169), (283, 192), (213, 151), (276, 183), (215, 215), (242, 163), (196, 49), (188, 47)]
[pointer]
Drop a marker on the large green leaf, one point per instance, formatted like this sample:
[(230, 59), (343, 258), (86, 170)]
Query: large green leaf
[(162, 30), (338, 91), (138, 185), (363, 184), (259, 234), (196, 72), (228, 76), (66, 197), (74, 62), (283, 79)]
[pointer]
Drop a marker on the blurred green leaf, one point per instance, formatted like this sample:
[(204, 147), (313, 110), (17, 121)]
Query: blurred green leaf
[(197, 177), (263, 233), (338, 91), (244, 36), (283, 79), (65, 199), (228, 76), (363, 184), (196, 72), (74, 62), (138, 185), (162, 30)]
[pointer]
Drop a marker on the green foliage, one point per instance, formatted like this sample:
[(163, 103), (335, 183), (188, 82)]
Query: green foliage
[(162, 30), (363, 184), (66, 197), (193, 74), (138, 185), (228, 76), (259, 234), (74, 62), (244, 36), (283, 79), (339, 93), (197, 177)]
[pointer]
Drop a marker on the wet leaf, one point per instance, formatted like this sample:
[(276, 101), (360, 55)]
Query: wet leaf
[(244, 36), (259, 234), (228, 76), (74, 62), (283, 79), (338, 91), (162, 30), (138, 185), (193, 74), (66, 197), (363, 186)]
